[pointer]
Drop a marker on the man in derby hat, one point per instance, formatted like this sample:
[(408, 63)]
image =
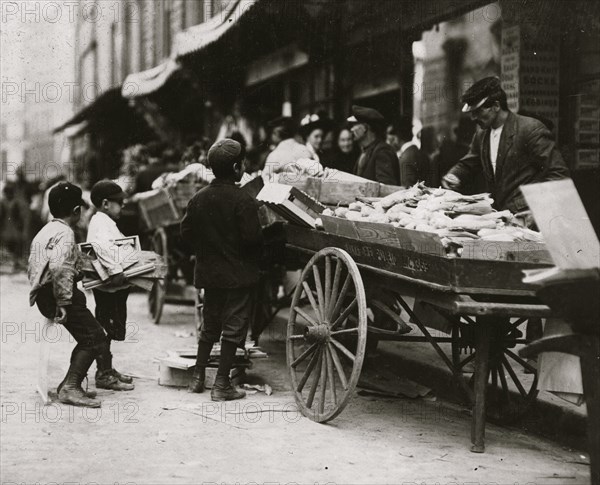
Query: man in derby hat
[(378, 161), (511, 150)]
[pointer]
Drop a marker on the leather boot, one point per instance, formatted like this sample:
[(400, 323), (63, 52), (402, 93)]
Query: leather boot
[(90, 394), (105, 376), (196, 384), (122, 377), (70, 391), (106, 379), (224, 391)]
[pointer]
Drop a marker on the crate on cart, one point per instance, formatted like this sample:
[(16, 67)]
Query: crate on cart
[(158, 208), (182, 192)]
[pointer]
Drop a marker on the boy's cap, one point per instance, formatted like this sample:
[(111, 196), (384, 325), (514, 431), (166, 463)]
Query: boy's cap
[(480, 92), (106, 189), (226, 151), (362, 114), (64, 197)]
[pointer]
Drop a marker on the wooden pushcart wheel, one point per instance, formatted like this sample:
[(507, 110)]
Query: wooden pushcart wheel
[(156, 297), (326, 337), (512, 381)]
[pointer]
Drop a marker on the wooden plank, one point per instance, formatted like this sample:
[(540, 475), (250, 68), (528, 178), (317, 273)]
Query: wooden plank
[(524, 252), (340, 226), (562, 219)]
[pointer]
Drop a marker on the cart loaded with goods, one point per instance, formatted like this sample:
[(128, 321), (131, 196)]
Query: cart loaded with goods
[(388, 263)]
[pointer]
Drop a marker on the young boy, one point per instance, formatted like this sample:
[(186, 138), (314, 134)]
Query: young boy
[(53, 272), (111, 300), (221, 225)]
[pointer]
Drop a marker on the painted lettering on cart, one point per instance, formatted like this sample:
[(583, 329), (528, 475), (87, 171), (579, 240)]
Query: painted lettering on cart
[(368, 254)]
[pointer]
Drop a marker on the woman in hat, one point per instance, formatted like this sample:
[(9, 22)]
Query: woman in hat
[(312, 130)]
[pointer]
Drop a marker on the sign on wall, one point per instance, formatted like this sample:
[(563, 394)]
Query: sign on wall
[(529, 67)]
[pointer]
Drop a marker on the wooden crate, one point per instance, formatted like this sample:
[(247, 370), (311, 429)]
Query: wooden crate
[(182, 192), (422, 265), (158, 209), (342, 192)]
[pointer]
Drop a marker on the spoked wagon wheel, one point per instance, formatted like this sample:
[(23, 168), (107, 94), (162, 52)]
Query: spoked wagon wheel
[(156, 297), (512, 381), (326, 338)]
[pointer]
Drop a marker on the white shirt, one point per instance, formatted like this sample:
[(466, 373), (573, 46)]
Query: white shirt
[(495, 134), (102, 233)]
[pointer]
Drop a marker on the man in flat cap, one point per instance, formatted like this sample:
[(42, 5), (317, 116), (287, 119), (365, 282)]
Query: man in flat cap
[(221, 225), (378, 160), (511, 150)]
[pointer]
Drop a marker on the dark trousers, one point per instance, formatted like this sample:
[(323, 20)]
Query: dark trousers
[(111, 312), (226, 313), (80, 322)]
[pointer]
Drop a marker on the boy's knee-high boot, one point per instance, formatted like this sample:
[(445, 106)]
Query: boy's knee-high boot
[(90, 394), (196, 384), (71, 391), (223, 390)]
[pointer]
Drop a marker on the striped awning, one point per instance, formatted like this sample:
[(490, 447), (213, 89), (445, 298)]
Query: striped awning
[(147, 82), (200, 36)]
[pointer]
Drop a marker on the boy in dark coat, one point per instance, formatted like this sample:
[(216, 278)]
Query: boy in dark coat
[(221, 225)]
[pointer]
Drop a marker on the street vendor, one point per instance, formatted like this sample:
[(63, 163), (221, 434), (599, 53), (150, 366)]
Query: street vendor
[(289, 155), (111, 299), (378, 160), (511, 150), (53, 272), (221, 225)]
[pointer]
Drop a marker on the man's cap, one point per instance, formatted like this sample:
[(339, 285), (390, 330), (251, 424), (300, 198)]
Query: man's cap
[(480, 92), (64, 197), (226, 151), (106, 189), (362, 114)]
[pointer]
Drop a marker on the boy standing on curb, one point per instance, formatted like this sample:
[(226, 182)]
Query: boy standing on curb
[(53, 272), (222, 227), (111, 299)]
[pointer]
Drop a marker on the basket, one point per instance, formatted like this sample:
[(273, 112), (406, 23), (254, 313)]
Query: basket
[(158, 209)]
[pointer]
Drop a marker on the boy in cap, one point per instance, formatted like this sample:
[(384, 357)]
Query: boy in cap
[(378, 161), (511, 150), (53, 273), (111, 299), (221, 225)]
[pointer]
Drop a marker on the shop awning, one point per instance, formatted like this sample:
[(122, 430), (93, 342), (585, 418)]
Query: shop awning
[(147, 82), (199, 36), (103, 107)]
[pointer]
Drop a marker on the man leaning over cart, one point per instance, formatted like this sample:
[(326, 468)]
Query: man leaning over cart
[(511, 150)]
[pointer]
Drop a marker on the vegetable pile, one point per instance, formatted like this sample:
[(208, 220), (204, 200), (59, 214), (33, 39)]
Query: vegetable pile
[(440, 211)]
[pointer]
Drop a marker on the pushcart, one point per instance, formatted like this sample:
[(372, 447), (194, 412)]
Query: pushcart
[(161, 211), (350, 267)]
